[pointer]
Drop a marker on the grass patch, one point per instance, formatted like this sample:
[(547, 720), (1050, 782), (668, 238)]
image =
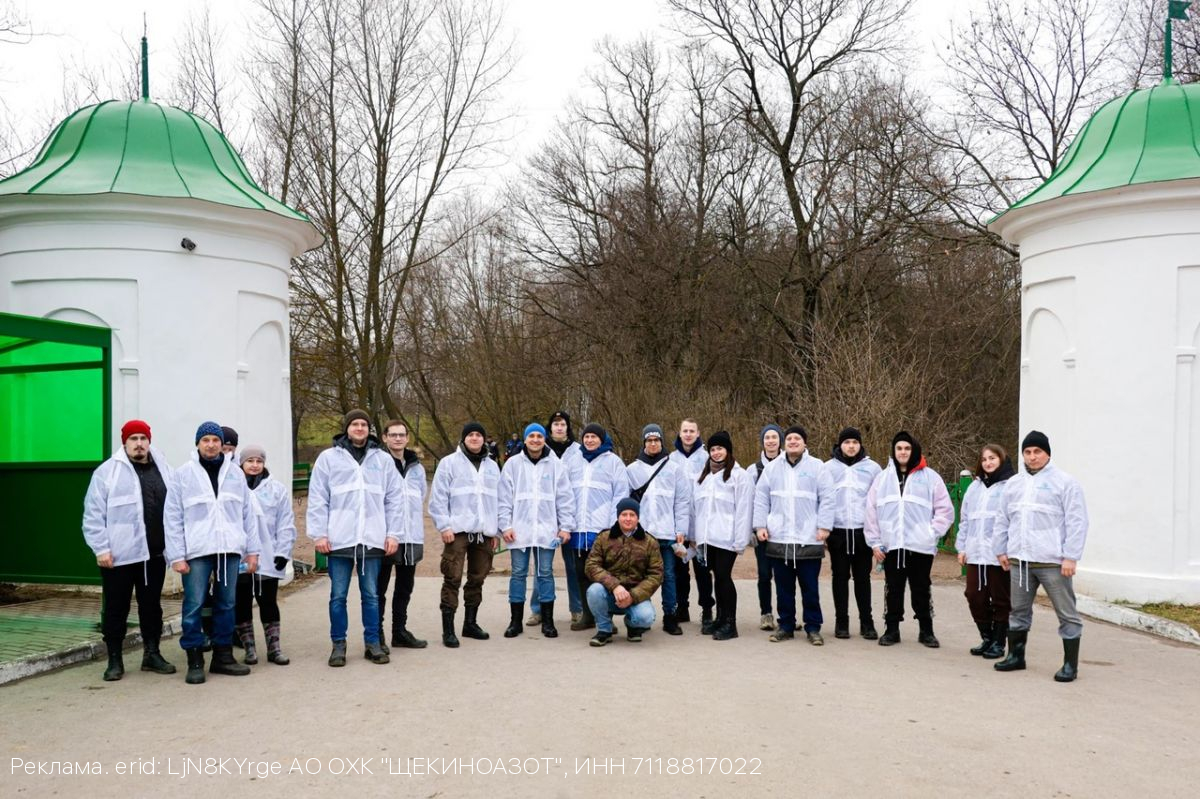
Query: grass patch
[(1187, 614), (318, 430)]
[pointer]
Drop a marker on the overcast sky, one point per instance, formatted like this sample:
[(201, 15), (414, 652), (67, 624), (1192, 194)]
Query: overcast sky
[(555, 41)]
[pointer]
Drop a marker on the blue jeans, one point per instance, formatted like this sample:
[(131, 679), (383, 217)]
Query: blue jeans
[(604, 606), (787, 574), (340, 570), (668, 584), (764, 579), (574, 601), (543, 582), (223, 570)]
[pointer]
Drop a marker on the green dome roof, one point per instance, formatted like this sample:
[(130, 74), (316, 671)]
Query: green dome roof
[(146, 149), (1147, 136)]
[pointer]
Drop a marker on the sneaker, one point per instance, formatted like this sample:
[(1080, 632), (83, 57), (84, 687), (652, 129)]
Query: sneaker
[(534, 620), (600, 638), (576, 618), (781, 635), (815, 639), (634, 634), (767, 622)]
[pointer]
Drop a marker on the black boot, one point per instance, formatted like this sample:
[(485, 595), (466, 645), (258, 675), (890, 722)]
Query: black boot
[(671, 624), (926, 636), (274, 650), (995, 649), (891, 634), (471, 628), (223, 662), (841, 628), (449, 639), (725, 629), (406, 640), (514, 626), (866, 628), (337, 657), (116, 666), (373, 652), (707, 624), (987, 635), (1016, 652), (548, 628), (195, 672), (1070, 666), (682, 615), (244, 632), (152, 659)]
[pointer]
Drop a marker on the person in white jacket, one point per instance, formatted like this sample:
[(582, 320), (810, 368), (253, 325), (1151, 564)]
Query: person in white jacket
[(462, 503), (355, 516), (599, 481), (771, 440), (988, 593), (277, 534), (536, 509), (722, 512), (412, 539), (908, 510), (1039, 535), (123, 526), (664, 490), (793, 512), (690, 455), (561, 441), (210, 525), (851, 471)]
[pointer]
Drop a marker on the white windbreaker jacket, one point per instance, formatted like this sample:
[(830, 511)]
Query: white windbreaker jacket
[(914, 520), (276, 525), (850, 485), (793, 502), (667, 503), (197, 523), (535, 500), (1041, 518), (722, 511), (114, 520), (353, 504), (463, 498)]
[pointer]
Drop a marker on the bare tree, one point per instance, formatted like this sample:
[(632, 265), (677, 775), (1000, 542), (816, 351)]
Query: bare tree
[(1143, 52), (203, 85)]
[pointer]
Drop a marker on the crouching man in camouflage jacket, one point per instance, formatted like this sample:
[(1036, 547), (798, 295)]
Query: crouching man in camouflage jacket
[(625, 568)]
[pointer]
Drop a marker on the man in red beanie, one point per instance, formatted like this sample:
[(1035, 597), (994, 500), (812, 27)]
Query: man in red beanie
[(123, 525)]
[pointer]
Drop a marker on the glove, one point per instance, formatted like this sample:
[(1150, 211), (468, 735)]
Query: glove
[(280, 563)]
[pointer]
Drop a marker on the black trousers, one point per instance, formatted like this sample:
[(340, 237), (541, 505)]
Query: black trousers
[(683, 586), (900, 566), (850, 557), (119, 584), (405, 576), (251, 587), (715, 577)]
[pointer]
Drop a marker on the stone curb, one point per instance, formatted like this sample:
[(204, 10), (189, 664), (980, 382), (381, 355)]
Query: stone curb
[(1137, 620)]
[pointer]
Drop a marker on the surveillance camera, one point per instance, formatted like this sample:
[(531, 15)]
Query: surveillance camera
[(187, 244)]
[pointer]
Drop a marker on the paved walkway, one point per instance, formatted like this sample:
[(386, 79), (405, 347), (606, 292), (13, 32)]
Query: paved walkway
[(848, 719)]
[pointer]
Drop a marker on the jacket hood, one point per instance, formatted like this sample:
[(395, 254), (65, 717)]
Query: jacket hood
[(999, 476), (699, 445), (614, 532), (916, 460), (343, 440)]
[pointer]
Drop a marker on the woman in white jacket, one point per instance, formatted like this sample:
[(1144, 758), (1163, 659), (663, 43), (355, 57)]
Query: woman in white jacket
[(722, 512), (908, 510), (988, 592), (536, 509), (277, 534)]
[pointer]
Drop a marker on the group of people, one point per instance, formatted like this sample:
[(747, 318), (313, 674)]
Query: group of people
[(625, 531)]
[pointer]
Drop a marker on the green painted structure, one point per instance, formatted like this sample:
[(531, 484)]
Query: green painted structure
[(56, 401)]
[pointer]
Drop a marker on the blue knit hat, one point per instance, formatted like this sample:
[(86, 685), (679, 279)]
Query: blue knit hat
[(762, 436), (209, 429), (534, 427), (629, 503)]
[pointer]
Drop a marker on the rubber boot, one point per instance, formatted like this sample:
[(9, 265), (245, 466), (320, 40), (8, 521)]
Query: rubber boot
[(1016, 652), (707, 624), (223, 662), (449, 639), (514, 626), (1070, 666), (866, 628), (152, 659), (471, 628), (244, 632), (337, 657), (548, 628), (671, 624), (987, 634), (891, 634), (116, 666), (995, 649), (274, 651), (195, 672)]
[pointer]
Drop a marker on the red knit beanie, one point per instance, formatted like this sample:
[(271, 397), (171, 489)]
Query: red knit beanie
[(133, 427)]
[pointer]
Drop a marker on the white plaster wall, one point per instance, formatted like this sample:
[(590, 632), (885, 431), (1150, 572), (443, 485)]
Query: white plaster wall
[(196, 335), (1110, 323)]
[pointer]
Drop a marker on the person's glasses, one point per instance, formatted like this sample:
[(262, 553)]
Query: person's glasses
[(397, 435)]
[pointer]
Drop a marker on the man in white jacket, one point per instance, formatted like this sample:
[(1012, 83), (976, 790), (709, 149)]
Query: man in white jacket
[(852, 472), (690, 455), (536, 510), (793, 513), (462, 503), (123, 526), (411, 550), (1039, 535), (211, 525), (908, 510), (355, 517)]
